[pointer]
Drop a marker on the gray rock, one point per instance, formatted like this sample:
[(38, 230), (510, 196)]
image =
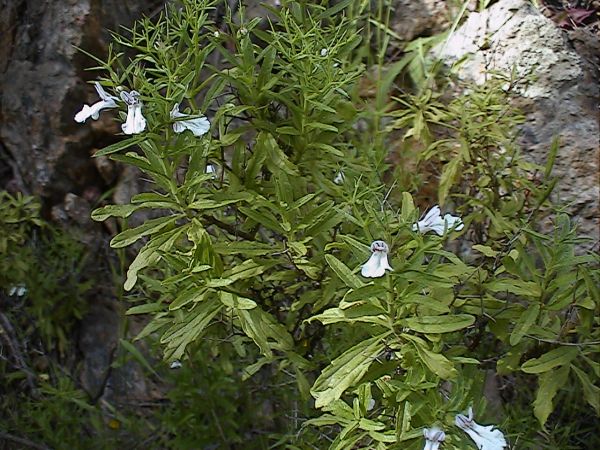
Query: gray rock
[(562, 100), (42, 86), (414, 18), (98, 343)]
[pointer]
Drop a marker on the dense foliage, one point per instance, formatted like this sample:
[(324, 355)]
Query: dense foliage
[(248, 258)]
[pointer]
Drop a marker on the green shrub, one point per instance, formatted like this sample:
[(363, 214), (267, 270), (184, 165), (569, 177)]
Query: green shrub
[(252, 267)]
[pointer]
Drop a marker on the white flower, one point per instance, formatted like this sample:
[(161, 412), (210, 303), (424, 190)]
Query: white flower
[(18, 290), (199, 126), (433, 221), (339, 177), (211, 170), (106, 101), (175, 364), (135, 122), (324, 52), (485, 437), (433, 437), (378, 262)]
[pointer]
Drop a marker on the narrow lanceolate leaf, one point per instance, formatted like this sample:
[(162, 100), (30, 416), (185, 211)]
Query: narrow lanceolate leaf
[(181, 334), (526, 320), (192, 295), (591, 392), (122, 211), (235, 301), (276, 158), (149, 227), (149, 254), (121, 145), (264, 218), (487, 251), (548, 385), (365, 292), (436, 362), (264, 330), (439, 324), (247, 269), (548, 361), (367, 313), (515, 286), (408, 206), (346, 370), (343, 272), (145, 309), (133, 350), (450, 173)]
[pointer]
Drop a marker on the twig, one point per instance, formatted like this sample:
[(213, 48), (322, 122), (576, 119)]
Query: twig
[(7, 330), (573, 344), (22, 441), (227, 227)]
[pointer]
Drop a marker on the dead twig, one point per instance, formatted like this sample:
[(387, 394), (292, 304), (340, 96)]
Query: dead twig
[(8, 335), (22, 441)]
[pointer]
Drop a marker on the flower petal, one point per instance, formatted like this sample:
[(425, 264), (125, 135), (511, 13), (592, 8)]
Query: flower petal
[(433, 437), (378, 263), (199, 126), (486, 437), (135, 122)]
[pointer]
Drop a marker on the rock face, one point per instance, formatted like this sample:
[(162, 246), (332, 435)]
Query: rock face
[(414, 18), (42, 86), (562, 100), (43, 151)]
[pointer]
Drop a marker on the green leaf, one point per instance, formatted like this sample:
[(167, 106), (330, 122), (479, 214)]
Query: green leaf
[(145, 309), (321, 126), (193, 295), (249, 371), (181, 334), (436, 362), (260, 326), (332, 11), (246, 248), (359, 249), (343, 272), (438, 324), (288, 130), (244, 270), (408, 206), (212, 203), (514, 286), (327, 148), (276, 159), (487, 251), (450, 173), (366, 313), (149, 254), (370, 425), (526, 320), (263, 217), (266, 67), (548, 385), (365, 292), (121, 145), (151, 226), (154, 325), (234, 301), (122, 211), (346, 370), (137, 355), (590, 391), (554, 358)]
